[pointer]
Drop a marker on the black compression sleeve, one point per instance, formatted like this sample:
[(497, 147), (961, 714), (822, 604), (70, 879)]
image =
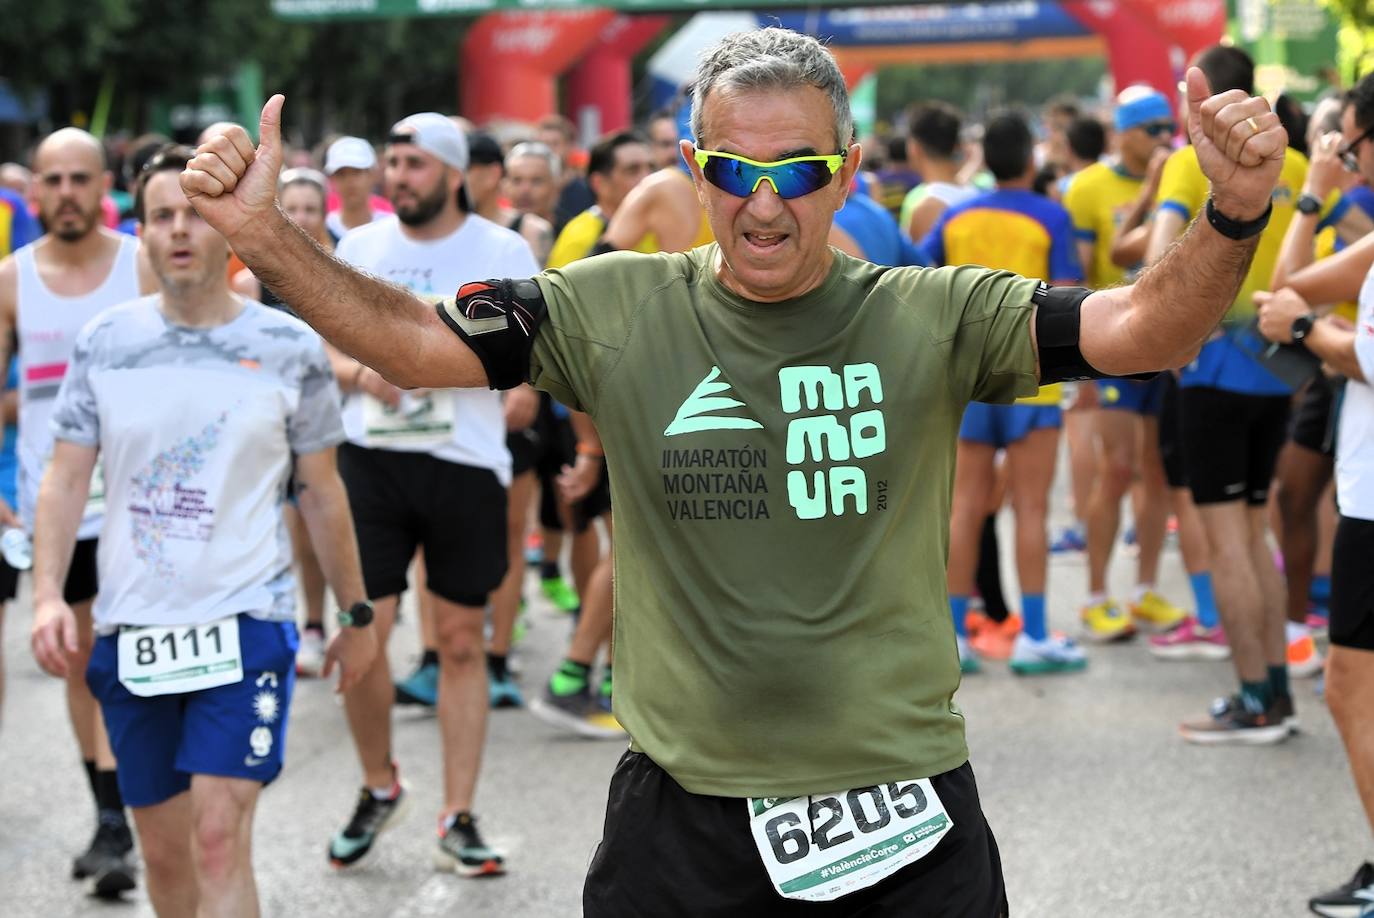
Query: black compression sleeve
[(498, 320), (1057, 317)]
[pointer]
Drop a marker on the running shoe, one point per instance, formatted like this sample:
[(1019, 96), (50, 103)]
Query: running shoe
[(575, 712), (1055, 654), (994, 640), (1353, 898), (310, 656), (968, 662), (371, 818), (108, 863), (420, 687), (1157, 613), (503, 691), (602, 715), (1104, 621), (1286, 712), (462, 850), (1230, 723), (1318, 620), (1070, 539), (1304, 659), (1191, 641), (558, 592)]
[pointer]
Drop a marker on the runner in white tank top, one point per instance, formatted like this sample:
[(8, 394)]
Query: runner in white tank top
[(46, 326), (48, 291)]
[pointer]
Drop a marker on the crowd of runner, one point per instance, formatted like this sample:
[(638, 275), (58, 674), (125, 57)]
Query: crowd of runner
[(181, 448)]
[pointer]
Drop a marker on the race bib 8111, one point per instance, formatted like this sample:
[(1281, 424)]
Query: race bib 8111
[(825, 846), (184, 658)]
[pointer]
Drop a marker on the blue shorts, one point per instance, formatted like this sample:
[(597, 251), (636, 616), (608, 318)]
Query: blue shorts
[(234, 731), (1145, 397), (1003, 425)]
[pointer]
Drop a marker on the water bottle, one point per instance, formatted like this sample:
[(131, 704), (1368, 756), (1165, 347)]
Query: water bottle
[(17, 549)]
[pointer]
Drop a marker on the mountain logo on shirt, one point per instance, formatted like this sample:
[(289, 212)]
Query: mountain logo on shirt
[(697, 413)]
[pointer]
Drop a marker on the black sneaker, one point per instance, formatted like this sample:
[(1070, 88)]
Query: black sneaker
[(112, 835), (371, 818), (576, 712), (462, 850), (1231, 722), (1286, 713), (1350, 900), (109, 862)]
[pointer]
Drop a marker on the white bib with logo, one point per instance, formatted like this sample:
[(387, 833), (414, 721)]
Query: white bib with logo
[(825, 846), (179, 659)]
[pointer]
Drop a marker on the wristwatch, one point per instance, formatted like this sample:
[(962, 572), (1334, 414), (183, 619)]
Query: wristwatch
[(1302, 325), (358, 615), (1309, 204)]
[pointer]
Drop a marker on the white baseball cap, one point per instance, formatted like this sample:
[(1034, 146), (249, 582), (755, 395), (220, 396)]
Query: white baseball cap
[(436, 135), (349, 153)]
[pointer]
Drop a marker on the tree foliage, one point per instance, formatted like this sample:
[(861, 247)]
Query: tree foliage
[(350, 76)]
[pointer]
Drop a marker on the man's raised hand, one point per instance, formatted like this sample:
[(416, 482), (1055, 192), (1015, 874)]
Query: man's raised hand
[(229, 183), (1240, 146)]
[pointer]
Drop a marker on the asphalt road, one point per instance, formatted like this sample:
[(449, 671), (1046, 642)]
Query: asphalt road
[(1099, 808)]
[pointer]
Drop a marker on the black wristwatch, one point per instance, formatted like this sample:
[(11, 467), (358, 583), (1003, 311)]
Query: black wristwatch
[(1309, 204), (1302, 325), (1237, 229), (358, 615)]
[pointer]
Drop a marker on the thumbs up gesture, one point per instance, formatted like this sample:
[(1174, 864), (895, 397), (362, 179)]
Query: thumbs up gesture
[(229, 182), (1240, 146)]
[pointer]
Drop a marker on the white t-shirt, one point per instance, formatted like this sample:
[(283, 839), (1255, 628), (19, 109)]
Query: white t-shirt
[(196, 429), (1355, 435), (465, 426), (333, 222)]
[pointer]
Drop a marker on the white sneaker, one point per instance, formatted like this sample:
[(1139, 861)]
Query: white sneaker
[(1055, 654), (310, 656), (968, 660)]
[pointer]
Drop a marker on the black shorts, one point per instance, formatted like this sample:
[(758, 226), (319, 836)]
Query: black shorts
[(666, 852), (524, 451), (9, 582), (404, 500), (1171, 433), (596, 503), (1352, 585), (1231, 443), (556, 449), (82, 584), (1314, 420)]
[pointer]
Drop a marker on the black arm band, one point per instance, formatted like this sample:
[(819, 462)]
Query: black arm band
[(602, 247), (1057, 315), (498, 319)]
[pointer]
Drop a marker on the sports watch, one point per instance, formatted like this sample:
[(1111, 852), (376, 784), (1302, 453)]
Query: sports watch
[(1302, 325), (1309, 204), (358, 615)]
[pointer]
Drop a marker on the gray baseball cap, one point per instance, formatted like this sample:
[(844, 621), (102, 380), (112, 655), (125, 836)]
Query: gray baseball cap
[(436, 135)]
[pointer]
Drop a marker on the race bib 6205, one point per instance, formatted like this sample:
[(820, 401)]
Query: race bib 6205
[(826, 846)]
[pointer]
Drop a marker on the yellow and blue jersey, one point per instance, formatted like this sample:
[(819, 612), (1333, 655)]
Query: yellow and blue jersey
[(1012, 229), (1097, 199), (1227, 362), (17, 227)]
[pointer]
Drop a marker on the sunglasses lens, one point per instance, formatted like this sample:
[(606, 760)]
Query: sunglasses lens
[(727, 175), (791, 180), (797, 179)]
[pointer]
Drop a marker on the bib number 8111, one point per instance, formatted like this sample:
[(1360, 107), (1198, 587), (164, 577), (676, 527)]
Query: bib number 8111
[(146, 647), (871, 809)]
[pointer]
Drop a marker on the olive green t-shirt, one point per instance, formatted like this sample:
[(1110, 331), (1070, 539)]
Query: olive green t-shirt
[(781, 477)]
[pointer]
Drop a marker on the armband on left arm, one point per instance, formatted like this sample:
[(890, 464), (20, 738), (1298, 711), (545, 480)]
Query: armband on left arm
[(497, 320), (1057, 316)]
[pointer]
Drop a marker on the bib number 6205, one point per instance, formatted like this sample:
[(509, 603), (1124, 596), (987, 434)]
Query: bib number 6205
[(870, 810)]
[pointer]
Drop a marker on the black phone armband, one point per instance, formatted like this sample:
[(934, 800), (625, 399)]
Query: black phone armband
[(1057, 315), (498, 320)]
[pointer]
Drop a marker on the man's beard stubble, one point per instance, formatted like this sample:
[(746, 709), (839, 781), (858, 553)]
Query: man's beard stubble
[(424, 209)]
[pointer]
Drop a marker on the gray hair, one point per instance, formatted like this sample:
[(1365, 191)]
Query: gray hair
[(772, 58), (535, 148)]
